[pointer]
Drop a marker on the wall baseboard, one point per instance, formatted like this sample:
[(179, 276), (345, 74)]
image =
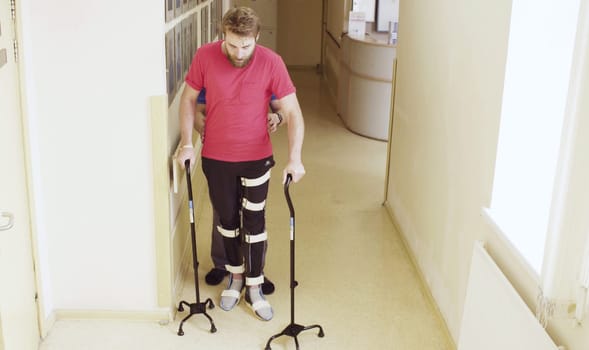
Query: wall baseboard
[(161, 315), (47, 324), (427, 292)]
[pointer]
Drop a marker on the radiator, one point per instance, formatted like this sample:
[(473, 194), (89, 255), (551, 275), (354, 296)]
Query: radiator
[(495, 317)]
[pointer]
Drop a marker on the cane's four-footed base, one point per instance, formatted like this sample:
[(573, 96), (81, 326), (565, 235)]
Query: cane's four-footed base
[(196, 308), (293, 330)]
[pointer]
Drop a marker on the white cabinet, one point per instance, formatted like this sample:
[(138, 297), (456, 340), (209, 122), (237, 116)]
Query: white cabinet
[(365, 86)]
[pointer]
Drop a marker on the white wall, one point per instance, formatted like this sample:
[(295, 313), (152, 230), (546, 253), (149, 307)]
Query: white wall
[(91, 67), (449, 86), (337, 16), (299, 32), (447, 108)]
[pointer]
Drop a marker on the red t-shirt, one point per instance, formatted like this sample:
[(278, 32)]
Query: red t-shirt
[(237, 101)]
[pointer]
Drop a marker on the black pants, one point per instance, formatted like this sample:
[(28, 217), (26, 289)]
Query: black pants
[(241, 210), (218, 255)]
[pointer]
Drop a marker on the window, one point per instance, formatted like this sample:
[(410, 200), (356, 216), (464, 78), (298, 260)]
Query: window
[(537, 76)]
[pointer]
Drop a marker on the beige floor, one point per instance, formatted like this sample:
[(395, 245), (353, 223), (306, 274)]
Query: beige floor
[(355, 277)]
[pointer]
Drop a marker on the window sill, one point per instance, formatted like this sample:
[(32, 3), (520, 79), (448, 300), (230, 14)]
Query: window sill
[(489, 217)]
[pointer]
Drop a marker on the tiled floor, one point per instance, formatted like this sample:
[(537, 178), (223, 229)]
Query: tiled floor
[(355, 277)]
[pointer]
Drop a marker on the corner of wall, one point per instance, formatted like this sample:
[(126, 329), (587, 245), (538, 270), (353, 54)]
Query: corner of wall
[(391, 210), (161, 187)]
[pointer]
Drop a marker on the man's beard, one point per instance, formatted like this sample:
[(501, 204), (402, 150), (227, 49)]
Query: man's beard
[(239, 63)]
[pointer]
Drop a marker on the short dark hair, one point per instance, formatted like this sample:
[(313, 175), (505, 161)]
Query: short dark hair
[(242, 21)]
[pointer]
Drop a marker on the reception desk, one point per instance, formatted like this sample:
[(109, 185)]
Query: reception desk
[(365, 86)]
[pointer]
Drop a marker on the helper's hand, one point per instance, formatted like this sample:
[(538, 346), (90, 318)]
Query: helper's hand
[(296, 169), (186, 152), (199, 125), (273, 122)]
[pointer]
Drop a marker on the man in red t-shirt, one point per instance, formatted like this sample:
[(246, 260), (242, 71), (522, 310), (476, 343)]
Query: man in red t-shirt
[(240, 78), (217, 274)]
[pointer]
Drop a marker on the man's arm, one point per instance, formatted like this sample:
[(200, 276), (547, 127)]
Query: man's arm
[(187, 122), (293, 117)]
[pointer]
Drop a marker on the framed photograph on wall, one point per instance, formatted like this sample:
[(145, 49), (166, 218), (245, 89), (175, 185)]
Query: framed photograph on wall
[(170, 63), (185, 7), (204, 24), (178, 56), (169, 10), (195, 40), (208, 21), (187, 46), (177, 8), (219, 12), (213, 19), (190, 39), (182, 49)]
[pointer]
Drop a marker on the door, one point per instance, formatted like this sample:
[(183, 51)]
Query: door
[(18, 312)]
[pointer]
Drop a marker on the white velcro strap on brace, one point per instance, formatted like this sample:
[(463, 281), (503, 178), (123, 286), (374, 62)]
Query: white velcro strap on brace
[(235, 269), (228, 233), (231, 293), (255, 182), (254, 281), (260, 304), (253, 206), (251, 239)]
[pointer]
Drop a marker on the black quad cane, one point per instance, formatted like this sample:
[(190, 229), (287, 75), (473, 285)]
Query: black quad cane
[(197, 307), (293, 329)]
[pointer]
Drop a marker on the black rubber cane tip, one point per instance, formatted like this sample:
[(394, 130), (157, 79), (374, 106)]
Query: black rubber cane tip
[(213, 329), (321, 334), (180, 332)]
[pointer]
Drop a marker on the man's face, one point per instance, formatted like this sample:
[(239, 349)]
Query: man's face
[(239, 49)]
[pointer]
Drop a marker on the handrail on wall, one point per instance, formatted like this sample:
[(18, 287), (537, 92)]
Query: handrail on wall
[(333, 38)]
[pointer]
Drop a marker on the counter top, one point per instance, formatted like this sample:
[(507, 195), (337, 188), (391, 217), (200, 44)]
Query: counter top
[(375, 38), (365, 86)]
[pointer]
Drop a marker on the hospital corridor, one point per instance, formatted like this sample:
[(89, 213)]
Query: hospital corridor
[(446, 150), (355, 277)]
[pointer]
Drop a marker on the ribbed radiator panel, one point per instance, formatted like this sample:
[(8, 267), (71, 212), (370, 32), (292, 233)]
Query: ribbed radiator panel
[(495, 317)]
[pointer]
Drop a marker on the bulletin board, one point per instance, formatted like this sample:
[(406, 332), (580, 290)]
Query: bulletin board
[(170, 63)]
